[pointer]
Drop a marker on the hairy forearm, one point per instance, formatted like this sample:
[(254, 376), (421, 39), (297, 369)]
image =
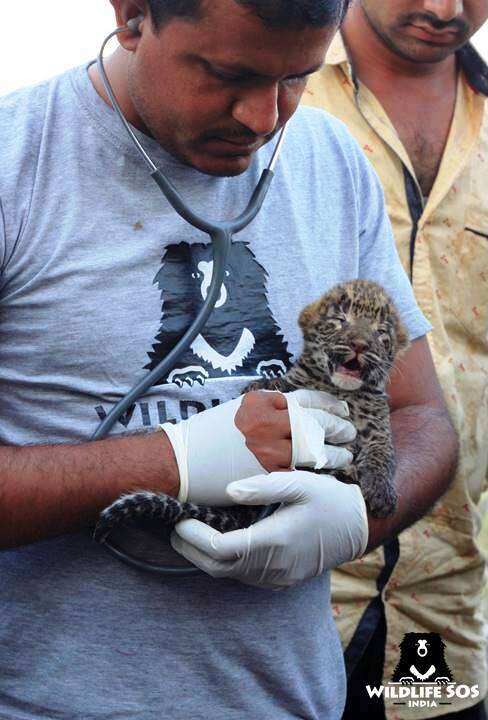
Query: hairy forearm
[(51, 490), (426, 454)]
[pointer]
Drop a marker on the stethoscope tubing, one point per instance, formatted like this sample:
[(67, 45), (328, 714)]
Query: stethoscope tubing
[(221, 234)]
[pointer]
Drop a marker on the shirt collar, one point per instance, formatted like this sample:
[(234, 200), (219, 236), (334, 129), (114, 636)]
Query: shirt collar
[(473, 65), (336, 54)]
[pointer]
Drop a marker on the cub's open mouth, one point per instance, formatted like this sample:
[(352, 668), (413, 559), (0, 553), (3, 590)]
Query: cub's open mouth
[(351, 368)]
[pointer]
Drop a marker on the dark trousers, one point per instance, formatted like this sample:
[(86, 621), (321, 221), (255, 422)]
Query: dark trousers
[(369, 671)]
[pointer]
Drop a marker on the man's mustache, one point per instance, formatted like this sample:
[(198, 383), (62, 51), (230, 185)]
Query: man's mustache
[(456, 24), (238, 135)]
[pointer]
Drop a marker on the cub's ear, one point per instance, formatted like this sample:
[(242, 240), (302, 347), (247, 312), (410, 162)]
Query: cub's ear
[(309, 315)]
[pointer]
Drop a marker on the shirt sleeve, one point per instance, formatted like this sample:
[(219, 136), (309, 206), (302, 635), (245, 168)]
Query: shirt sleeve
[(378, 257)]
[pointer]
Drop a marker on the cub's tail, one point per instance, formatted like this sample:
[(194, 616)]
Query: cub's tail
[(166, 511)]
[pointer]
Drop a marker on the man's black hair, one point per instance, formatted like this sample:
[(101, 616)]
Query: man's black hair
[(274, 13)]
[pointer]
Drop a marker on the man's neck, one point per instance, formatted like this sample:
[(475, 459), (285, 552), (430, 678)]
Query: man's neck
[(419, 98), (116, 68), (377, 66)]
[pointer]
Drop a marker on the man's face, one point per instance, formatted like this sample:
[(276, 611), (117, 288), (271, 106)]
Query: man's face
[(425, 31), (212, 91)]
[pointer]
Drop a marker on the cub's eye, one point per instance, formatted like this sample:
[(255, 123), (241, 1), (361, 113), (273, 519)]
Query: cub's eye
[(385, 341), (336, 319), (334, 324)]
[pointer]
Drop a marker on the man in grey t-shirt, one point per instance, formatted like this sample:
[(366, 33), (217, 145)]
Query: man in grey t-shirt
[(97, 272)]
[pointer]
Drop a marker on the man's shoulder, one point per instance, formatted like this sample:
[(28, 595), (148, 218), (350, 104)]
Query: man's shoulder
[(22, 107), (319, 123), (321, 135), (24, 113), (324, 139), (27, 118)]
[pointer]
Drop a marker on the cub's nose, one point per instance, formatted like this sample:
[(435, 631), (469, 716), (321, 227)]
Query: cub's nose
[(359, 346)]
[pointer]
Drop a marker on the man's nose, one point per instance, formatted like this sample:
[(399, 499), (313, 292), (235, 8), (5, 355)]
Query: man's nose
[(257, 109), (445, 10)]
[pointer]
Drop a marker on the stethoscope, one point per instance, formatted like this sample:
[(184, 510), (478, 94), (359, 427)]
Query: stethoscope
[(221, 234)]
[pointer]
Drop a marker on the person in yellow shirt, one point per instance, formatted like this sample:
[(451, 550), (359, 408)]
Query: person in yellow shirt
[(412, 90)]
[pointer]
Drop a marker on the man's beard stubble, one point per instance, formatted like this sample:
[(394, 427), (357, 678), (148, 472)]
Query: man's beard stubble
[(461, 27)]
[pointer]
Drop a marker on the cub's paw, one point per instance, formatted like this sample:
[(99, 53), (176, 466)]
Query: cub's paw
[(381, 498), (275, 384), (258, 385)]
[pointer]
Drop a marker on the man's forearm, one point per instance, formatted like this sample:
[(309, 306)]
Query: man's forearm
[(51, 490), (426, 453)]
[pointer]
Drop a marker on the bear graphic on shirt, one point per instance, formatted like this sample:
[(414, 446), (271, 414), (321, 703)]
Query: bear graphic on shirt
[(241, 337)]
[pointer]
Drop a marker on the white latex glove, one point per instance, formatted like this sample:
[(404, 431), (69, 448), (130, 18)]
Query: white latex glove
[(320, 524), (311, 427), (211, 451)]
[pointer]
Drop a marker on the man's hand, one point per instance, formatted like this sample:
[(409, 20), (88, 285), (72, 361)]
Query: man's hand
[(253, 434), (320, 524)]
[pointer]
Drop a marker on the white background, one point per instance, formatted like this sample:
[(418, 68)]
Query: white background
[(44, 38)]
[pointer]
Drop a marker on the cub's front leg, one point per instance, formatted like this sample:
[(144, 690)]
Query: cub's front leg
[(375, 467), (280, 384)]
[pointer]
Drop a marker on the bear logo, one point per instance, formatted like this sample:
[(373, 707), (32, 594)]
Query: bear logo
[(422, 660), (241, 337)]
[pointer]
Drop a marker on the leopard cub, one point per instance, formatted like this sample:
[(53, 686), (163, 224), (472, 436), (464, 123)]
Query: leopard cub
[(352, 336)]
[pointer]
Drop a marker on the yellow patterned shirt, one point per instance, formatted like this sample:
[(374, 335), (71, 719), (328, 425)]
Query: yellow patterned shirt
[(436, 581)]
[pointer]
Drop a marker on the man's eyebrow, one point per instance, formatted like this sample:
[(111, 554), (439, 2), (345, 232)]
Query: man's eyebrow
[(246, 71)]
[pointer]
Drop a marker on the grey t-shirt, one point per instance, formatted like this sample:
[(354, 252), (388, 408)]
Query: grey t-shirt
[(99, 277)]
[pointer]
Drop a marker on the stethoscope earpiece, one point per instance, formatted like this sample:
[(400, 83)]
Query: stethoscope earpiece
[(133, 24)]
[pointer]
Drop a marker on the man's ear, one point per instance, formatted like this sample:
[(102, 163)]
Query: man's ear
[(126, 10)]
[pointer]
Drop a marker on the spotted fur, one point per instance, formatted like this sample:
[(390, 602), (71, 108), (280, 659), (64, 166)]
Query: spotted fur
[(351, 338), (151, 508)]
